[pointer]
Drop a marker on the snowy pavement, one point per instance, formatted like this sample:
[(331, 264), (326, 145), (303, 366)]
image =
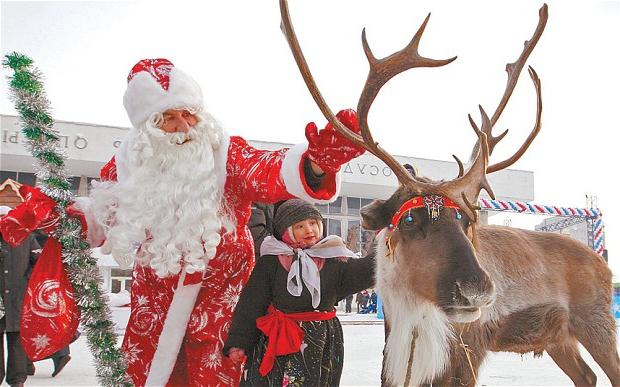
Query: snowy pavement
[(362, 367)]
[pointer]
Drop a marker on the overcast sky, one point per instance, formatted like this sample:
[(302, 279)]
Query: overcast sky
[(237, 53)]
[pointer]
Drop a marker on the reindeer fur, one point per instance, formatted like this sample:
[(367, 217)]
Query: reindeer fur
[(551, 292)]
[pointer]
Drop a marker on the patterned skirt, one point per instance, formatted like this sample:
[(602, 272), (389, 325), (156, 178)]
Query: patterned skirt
[(319, 363)]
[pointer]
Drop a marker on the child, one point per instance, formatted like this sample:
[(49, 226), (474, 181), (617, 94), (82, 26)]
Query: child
[(290, 297)]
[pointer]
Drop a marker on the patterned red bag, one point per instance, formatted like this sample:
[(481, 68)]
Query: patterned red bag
[(50, 316)]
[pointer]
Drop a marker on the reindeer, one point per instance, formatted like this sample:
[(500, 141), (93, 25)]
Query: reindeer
[(454, 289)]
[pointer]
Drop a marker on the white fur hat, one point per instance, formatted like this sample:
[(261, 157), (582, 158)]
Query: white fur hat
[(156, 85)]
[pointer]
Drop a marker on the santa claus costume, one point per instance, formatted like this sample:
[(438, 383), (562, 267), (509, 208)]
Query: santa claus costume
[(176, 208)]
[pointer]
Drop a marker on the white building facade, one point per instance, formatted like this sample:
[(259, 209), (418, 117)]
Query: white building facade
[(89, 146)]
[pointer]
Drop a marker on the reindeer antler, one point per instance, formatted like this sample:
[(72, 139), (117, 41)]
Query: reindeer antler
[(381, 71), (463, 190), (466, 187), (537, 125), (514, 70)]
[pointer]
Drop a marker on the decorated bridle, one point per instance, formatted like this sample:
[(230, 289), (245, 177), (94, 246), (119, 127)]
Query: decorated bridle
[(433, 204)]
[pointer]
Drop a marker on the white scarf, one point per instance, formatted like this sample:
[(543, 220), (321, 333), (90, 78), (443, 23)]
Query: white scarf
[(328, 247)]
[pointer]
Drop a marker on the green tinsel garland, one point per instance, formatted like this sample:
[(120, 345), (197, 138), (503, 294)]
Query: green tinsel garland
[(43, 142)]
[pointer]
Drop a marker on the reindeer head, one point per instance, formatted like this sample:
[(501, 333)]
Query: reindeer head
[(430, 226)]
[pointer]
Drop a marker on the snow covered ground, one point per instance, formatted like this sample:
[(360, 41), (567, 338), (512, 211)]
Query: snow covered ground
[(362, 367)]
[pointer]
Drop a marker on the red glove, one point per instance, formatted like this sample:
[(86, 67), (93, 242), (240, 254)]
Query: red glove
[(36, 211), (329, 149)]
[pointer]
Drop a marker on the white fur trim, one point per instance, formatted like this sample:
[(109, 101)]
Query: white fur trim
[(122, 156), (290, 173), (173, 332), (95, 234), (145, 96), (220, 159)]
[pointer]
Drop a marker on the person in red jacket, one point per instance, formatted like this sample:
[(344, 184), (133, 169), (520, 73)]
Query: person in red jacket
[(174, 202)]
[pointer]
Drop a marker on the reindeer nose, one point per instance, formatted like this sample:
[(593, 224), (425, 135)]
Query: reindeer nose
[(477, 291)]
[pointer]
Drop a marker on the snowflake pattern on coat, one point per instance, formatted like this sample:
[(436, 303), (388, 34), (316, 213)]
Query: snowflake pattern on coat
[(251, 175)]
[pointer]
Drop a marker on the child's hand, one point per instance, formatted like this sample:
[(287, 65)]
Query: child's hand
[(236, 354)]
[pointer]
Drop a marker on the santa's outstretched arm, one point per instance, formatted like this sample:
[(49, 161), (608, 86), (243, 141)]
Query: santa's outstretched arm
[(309, 171)]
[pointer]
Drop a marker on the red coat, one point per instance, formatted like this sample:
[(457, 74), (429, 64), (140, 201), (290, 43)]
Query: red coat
[(176, 331)]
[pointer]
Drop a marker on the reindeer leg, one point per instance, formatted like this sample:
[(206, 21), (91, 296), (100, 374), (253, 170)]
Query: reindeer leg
[(601, 343), (607, 358), (386, 331), (567, 357)]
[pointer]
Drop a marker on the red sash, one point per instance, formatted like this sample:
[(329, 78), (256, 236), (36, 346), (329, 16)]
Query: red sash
[(284, 333)]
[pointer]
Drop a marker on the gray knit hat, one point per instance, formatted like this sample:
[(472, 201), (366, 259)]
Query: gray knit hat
[(291, 212)]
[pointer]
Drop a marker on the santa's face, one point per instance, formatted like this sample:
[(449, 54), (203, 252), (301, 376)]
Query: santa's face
[(178, 120), (167, 204), (173, 127)]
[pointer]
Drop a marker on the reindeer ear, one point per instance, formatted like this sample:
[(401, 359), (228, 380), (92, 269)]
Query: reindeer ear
[(375, 215)]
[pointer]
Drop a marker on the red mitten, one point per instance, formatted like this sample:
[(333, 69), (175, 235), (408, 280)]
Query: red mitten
[(329, 149), (17, 225), (50, 316), (36, 211)]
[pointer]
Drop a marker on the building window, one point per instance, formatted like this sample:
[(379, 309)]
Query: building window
[(7, 175), (335, 207), (365, 202), (322, 208), (334, 227), (121, 280), (27, 178), (75, 184), (116, 285), (121, 284), (353, 205), (331, 208)]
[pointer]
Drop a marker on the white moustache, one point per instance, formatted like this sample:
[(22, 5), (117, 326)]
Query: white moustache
[(180, 138)]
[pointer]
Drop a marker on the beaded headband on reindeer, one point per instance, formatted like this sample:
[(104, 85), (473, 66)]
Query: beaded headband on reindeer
[(433, 204)]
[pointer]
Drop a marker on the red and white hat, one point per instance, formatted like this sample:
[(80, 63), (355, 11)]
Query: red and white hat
[(156, 85)]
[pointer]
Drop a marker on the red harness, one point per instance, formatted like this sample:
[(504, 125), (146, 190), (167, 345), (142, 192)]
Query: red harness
[(433, 203)]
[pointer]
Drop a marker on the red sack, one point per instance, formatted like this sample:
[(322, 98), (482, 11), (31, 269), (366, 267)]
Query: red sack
[(50, 316)]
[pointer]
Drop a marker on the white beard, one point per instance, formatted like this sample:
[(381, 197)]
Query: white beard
[(164, 212)]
